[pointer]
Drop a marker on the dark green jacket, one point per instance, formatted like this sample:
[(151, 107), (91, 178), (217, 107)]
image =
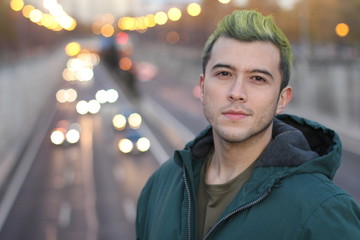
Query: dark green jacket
[(289, 196)]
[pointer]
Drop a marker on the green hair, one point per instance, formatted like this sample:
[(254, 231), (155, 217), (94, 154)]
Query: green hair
[(250, 25)]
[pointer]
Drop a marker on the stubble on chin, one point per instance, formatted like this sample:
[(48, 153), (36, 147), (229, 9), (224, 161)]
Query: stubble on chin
[(243, 130)]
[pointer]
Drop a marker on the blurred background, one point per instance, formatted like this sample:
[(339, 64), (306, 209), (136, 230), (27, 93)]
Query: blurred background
[(95, 95)]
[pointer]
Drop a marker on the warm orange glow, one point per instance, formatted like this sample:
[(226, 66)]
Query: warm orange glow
[(224, 1), (36, 15), (141, 23), (72, 26), (96, 27), (194, 9), (125, 64), (342, 29), (16, 5), (69, 75), (56, 20), (174, 14), (161, 18), (172, 37), (127, 23), (72, 49), (151, 20), (47, 20), (56, 27), (67, 22), (108, 18), (27, 10), (107, 30)]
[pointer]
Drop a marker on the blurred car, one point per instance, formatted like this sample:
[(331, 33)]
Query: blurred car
[(127, 120), (133, 142), (65, 133)]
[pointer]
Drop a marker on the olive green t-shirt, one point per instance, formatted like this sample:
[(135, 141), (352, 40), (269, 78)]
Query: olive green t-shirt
[(214, 198)]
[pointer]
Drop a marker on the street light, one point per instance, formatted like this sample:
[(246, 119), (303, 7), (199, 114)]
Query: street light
[(194, 9), (342, 29), (174, 14), (16, 5), (161, 18), (224, 1)]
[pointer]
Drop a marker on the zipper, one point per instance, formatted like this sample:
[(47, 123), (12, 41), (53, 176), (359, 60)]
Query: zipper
[(189, 202), (246, 206)]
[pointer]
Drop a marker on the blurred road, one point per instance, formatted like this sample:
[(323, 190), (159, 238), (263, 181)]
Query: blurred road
[(83, 191), (89, 190)]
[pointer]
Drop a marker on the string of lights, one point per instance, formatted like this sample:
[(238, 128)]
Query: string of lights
[(105, 25), (57, 19)]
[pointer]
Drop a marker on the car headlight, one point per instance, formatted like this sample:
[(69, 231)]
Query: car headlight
[(143, 144), (57, 136), (125, 145)]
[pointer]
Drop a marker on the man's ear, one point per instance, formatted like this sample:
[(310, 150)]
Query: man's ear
[(201, 83), (284, 98)]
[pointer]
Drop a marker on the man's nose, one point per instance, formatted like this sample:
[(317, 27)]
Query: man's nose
[(237, 92)]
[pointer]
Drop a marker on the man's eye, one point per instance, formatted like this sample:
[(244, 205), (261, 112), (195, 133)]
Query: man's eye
[(259, 79), (223, 74)]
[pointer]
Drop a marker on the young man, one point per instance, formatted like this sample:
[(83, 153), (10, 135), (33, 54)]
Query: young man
[(252, 174)]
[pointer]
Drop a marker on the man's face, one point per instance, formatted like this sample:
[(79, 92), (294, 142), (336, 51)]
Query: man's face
[(241, 89)]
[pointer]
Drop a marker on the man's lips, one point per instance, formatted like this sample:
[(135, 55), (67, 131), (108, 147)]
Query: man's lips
[(232, 114)]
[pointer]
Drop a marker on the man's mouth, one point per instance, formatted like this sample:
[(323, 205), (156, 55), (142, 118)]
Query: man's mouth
[(233, 114)]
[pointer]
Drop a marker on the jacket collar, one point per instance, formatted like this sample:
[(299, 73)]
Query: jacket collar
[(300, 144)]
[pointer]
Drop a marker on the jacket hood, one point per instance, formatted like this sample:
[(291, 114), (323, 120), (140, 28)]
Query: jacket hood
[(298, 144)]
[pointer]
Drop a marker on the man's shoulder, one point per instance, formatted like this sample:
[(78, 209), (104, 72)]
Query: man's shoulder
[(312, 188), (168, 169), (166, 174)]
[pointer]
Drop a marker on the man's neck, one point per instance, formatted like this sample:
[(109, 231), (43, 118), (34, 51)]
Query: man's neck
[(231, 159)]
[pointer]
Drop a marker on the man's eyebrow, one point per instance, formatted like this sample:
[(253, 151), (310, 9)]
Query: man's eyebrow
[(222, 65), (263, 71)]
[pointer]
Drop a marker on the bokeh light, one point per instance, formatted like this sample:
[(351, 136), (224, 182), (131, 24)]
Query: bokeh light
[(35, 15), (107, 30), (94, 106), (112, 95), (172, 37), (174, 14), (119, 122), (194, 9), (27, 10), (143, 144), (342, 29), (57, 137), (122, 38), (125, 64), (82, 107), (73, 136), (135, 120), (224, 1), (17, 5), (161, 18), (125, 145), (72, 49), (101, 96)]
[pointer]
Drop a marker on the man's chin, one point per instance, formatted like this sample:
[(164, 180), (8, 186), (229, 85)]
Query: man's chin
[(232, 134)]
